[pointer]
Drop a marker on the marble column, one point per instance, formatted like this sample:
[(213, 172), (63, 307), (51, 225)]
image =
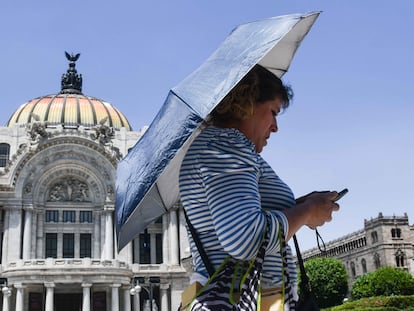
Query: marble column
[(173, 232), (14, 233), (109, 233), (115, 297), (165, 241), (40, 220), (164, 297), (182, 232), (153, 249), (97, 240), (127, 299), (4, 250), (60, 245), (6, 298), (27, 231), (49, 305), (86, 298), (19, 296)]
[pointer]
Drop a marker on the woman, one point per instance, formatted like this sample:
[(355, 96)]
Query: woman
[(228, 190)]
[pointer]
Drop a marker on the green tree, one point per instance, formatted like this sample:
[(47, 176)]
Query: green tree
[(328, 279), (385, 281), (362, 287)]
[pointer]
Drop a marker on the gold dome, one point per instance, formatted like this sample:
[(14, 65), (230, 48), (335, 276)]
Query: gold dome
[(70, 108)]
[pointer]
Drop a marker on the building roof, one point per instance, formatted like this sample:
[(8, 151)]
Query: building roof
[(69, 108)]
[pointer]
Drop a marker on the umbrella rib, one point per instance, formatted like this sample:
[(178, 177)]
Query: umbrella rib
[(182, 100)]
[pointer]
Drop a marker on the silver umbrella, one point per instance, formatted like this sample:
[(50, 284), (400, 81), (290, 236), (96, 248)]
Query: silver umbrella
[(147, 178)]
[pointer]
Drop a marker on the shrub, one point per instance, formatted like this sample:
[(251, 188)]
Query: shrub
[(328, 280), (385, 281), (381, 303)]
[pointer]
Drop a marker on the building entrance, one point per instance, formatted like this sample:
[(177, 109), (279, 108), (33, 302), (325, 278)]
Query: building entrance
[(68, 302)]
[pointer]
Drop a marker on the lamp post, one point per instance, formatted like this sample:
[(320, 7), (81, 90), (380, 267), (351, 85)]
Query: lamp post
[(136, 290), (6, 297)]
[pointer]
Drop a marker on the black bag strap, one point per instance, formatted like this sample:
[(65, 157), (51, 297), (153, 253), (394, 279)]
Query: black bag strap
[(202, 252), (304, 284)]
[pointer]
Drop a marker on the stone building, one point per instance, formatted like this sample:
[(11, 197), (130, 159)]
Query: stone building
[(384, 241), (58, 159)]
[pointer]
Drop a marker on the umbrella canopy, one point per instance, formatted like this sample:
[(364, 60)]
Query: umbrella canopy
[(147, 178)]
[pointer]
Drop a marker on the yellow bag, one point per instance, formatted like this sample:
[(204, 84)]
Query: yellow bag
[(271, 299)]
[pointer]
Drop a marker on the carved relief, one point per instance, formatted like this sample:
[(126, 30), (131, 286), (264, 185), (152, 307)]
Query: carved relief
[(27, 188), (70, 189)]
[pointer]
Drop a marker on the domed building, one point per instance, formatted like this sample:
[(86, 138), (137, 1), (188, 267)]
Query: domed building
[(58, 159)]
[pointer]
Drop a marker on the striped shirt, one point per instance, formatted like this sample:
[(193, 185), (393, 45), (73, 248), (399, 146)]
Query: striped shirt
[(227, 189)]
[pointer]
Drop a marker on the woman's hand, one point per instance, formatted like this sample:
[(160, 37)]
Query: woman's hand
[(312, 210), (319, 207)]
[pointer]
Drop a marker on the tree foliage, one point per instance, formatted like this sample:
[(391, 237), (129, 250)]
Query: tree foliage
[(328, 280), (385, 281)]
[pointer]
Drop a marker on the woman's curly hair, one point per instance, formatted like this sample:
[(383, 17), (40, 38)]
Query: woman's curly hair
[(257, 86)]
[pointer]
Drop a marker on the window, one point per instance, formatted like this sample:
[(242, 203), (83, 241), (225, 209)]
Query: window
[(52, 216), (374, 237), (51, 245), (396, 233), (364, 265), (68, 245), (377, 261), (399, 258), (144, 248), (158, 248), (69, 232), (85, 216), (85, 245), (147, 248), (69, 216), (353, 270), (4, 154)]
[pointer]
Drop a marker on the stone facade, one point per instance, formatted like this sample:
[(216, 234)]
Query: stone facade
[(58, 242), (384, 241)]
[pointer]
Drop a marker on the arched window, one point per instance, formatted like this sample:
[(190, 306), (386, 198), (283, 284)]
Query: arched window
[(399, 258), (374, 237), (377, 261), (353, 271), (364, 265), (4, 154)]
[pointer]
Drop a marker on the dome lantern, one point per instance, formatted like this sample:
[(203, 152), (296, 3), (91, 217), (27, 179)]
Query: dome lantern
[(71, 80), (70, 107)]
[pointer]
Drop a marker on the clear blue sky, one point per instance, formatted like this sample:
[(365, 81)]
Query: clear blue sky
[(350, 124)]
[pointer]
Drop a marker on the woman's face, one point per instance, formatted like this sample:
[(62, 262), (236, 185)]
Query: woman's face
[(262, 123)]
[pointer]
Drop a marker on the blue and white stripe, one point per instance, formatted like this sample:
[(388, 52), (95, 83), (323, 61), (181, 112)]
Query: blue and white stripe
[(227, 189)]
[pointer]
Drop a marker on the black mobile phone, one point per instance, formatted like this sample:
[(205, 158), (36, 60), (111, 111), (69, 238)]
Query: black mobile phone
[(341, 194)]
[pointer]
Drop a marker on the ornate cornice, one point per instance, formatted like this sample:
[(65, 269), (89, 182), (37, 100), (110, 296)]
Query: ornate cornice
[(101, 143), (27, 154)]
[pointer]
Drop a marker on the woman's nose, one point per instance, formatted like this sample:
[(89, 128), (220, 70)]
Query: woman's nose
[(274, 127)]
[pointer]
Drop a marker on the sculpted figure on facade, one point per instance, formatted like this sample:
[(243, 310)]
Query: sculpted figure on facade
[(37, 129), (103, 133), (69, 190)]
